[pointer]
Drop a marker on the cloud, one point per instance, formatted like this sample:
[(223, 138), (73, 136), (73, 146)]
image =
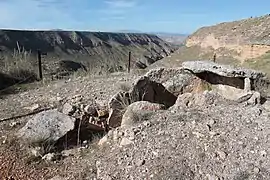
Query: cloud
[(30, 14), (116, 8), (119, 4)]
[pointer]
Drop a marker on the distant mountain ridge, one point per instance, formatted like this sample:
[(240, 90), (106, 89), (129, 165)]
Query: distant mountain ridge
[(99, 49), (174, 38)]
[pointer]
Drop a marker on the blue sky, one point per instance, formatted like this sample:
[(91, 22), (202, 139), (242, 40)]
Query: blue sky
[(178, 16)]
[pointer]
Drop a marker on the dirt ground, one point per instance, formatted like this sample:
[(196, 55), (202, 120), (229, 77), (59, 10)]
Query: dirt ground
[(221, 141)]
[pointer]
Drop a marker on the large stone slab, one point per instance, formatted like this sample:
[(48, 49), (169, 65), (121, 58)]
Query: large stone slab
[(144, 89), (222, 70), (176, 80), (47, 126)]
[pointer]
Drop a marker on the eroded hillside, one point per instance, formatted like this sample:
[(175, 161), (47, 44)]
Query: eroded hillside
[(245, 39), (92, 49)]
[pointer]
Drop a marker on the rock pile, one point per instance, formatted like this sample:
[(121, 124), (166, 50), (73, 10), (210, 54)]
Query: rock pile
[(196, 84)]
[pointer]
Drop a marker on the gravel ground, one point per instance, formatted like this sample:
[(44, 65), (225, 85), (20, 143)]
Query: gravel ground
[(214, 142)]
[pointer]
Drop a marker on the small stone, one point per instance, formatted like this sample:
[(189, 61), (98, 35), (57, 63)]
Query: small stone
[(103, 140), (211, 177), (68, 109), (58, 178), (263, 153), (199, 135), (125, 141), (5, 139), (33, 107), (103, 113), (49, 157), (140, 162), (146, 123), (256, 170), (222, 154), (14, 124), (91, 110), (211, 122), (36, 151)]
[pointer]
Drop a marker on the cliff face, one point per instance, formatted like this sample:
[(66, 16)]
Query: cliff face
[(89, 48), (246, 39)]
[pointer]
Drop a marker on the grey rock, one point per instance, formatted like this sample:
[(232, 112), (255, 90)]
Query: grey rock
[(175, 80), (47, 126), (147, 90), (49, 157), (125, 141), (197, 99), (137, 110), (68, 109), (222, 70), (116, 105), (91, 110), (144, 89), (255, 99)]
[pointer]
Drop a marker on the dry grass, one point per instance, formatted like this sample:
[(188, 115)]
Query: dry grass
[(125, 87)]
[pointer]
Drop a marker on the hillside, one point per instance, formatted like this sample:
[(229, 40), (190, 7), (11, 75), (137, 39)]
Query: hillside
[(177, 39), (244, 39), (107, 51), (244, 42)]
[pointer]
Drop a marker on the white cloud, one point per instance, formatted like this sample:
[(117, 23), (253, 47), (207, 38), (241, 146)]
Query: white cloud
[(27, 14), (121, 3), (117, 10)]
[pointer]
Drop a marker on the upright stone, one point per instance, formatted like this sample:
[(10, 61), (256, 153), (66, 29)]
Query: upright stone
[(247, 85)]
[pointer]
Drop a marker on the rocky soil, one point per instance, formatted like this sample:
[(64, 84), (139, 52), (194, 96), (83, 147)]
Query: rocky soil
[(203, 134)]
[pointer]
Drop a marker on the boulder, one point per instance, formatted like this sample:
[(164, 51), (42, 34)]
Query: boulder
[(175, 80), (197, 99), (137, 110), (144, 89), (47, 126), (255, 99), (147, 90), (91, 110), (116, 105), (222, 70), (161, 75)]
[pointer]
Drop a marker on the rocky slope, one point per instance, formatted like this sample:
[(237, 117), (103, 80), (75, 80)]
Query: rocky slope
[(243, 39), (176, 39), (92, 49), (203, 135)]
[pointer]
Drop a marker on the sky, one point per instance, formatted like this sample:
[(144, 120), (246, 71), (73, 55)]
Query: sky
[(173, 16)]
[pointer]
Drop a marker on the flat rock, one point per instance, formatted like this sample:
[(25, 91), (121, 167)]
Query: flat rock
[(222, 70), (197, 99), (47, 126), (175, 80)]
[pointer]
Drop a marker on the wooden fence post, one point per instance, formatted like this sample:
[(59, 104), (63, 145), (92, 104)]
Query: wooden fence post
[(39, 56), (129, 60), (39, 65), (215, 57)]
